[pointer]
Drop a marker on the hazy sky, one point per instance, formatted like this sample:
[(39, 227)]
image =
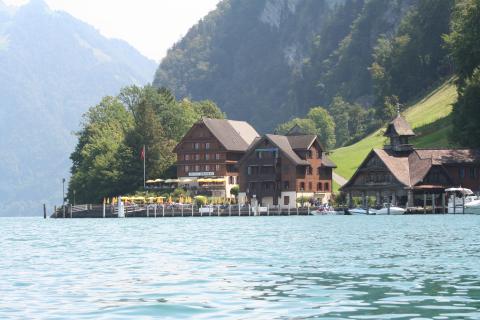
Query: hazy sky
[(151, 26)]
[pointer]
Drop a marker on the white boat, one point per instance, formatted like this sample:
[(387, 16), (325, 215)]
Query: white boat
[(359, 211), (458, 197), (393, 210)]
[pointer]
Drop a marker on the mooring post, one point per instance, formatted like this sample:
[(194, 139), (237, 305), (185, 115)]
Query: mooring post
[(104, 210), (289, 208), (249, 209), (443, 203), (230, 210), (155, 211), (308, 210), (218, 210), (433, 203), (388, 206), (71, 211), (55, 211), (239, 210), (192, 209), (297, 209), (424, 203), (63, 210), (463, 203), (163, 210), (182, 209), (268, 209), (44, 211), (454, 203)]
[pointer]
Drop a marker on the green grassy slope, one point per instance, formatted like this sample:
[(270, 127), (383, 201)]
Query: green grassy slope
[(429, 117)]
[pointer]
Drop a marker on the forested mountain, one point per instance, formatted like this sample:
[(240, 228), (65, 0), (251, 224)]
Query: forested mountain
[(52, 69), (269, 61)]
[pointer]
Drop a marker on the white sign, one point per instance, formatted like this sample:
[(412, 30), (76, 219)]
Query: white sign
[(201, 174)]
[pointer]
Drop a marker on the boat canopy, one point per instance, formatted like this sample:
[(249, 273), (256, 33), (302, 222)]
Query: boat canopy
[(461, 190)]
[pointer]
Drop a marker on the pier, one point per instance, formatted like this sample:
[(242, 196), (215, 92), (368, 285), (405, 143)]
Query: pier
[(170, 211)]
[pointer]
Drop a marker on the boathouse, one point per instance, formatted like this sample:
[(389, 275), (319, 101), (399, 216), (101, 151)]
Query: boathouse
[(406, 176), (278, 169), (207, 155)]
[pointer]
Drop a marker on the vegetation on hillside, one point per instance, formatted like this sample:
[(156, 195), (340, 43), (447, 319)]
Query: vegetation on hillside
[(107, 159), (430, 118), (464, 43)]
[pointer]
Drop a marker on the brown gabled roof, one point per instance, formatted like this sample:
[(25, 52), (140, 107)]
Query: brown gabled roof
[(400, 127), (233, 135), (397, 164), (301, 142), (283, 144), (450, 156)]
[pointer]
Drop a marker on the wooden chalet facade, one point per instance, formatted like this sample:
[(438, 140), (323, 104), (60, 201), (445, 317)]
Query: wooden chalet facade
[(276, 170), (403, 175), (207, 155)]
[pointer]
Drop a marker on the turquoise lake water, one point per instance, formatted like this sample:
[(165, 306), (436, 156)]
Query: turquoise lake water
[(327, 267)]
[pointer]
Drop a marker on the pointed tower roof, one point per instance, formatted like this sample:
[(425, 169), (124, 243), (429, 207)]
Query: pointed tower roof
[(399, 127)]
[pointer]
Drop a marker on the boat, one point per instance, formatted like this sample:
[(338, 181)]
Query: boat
[(324, 211), (389, 209), (458, 197), (359, 211)]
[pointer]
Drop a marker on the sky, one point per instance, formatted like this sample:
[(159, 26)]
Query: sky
[(151, 26)]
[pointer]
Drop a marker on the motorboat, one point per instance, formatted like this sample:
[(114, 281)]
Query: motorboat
[(323, 211), (460, 197), (360, 211), (389, 209)]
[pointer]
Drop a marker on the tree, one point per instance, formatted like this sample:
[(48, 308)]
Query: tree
[(325, 125), (95, 170), (306, 125), (464, 45)]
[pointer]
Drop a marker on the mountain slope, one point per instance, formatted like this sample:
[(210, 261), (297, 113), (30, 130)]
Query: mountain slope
[(260, 60), (52, 68), (430, 118)]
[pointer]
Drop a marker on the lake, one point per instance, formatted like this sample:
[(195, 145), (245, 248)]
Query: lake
[(327, 267)]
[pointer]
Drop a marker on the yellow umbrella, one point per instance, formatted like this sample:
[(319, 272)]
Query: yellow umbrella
[(170, 199)]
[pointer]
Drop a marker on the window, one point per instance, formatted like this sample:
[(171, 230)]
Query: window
[(231, 179), (310, 186), (186, 157), (217, 167), (286, 185), (207, 156), (259, 154), (207, 145), (196, 145), (473, 173), (249, 171), (217, 156), (187, 168), (197, 168), (326, 186), (207, 167), (302, 186), (461, 173), (197, 156), (286, 200), (319, 186)]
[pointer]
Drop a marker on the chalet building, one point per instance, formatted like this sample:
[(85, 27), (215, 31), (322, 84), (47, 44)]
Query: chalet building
[(403, 175), (207, 155), (276, 170)]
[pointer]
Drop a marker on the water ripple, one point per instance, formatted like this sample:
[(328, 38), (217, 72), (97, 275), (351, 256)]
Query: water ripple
[(410, 267)]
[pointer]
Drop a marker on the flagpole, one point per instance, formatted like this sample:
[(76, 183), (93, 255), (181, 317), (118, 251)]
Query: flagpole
[(144, 156)]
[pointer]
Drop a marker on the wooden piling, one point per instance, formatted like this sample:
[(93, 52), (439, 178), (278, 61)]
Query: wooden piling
[(55, 211), (104, 210), (443, 203), (155, 211), (454, 203), (424, 203), (433, 203), (463, 203), (71, 211), (44, 211)]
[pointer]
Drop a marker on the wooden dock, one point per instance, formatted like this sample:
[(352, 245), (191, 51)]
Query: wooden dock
[(164, 211)]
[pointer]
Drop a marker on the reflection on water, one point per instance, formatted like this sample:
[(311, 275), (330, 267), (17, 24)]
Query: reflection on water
[(409, 267)]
